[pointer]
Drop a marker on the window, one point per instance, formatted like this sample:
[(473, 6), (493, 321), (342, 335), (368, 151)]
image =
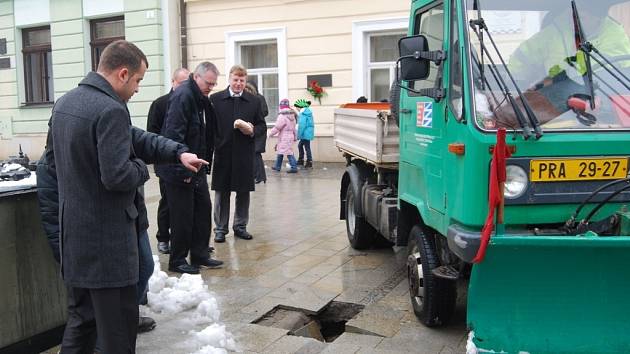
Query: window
[(103, 32), (261, 60), (37, 65), (430, 23), (383, 52), (374, 54), (455, 71)]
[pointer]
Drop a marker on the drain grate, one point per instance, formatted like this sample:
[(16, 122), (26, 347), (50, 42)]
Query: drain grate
[(325, 326)]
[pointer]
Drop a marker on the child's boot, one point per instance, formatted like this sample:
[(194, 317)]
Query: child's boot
[(309, 164), (293, 164), (278, 164)]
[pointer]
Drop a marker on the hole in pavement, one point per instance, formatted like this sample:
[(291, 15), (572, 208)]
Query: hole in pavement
[(324, 326)]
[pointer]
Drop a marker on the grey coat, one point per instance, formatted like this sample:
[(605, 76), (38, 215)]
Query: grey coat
[(100, 170)]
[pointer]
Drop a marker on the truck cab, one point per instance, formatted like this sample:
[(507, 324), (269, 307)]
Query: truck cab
[(554, 75)]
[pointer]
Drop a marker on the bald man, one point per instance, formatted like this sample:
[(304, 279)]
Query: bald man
[(155, 120)]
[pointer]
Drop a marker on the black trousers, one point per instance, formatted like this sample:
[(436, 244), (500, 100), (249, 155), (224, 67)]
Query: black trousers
[(163, 220), (190, 209), (259, 168), (110, 312)]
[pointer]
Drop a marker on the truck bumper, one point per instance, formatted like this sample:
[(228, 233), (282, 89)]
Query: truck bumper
[(463, 242)]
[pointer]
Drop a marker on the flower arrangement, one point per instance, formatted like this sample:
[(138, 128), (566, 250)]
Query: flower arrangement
[(316, 91)]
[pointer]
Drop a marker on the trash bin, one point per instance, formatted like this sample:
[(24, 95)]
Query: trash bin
[(32, 294)]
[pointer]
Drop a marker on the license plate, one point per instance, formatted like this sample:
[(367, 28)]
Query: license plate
[(557, 170)]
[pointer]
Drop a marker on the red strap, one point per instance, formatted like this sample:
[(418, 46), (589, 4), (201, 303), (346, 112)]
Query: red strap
[(497, 175)]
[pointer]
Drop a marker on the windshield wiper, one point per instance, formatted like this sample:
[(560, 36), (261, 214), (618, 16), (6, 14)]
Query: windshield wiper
[(580, 42), (479, 27), (588, 49)]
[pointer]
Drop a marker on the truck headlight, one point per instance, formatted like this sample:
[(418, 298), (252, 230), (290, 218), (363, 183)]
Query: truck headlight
[(516, 182)]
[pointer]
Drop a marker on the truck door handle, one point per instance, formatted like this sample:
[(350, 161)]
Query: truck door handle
[(405, 111)]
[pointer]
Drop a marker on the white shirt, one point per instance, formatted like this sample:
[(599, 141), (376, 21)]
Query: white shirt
[(234, 94)]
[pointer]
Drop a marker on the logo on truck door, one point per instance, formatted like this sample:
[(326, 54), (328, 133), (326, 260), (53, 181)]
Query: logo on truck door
[(424, 117)]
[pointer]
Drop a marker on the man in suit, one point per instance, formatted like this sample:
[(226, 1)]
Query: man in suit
[(99, 162), (155, 121), (187, 193), (238, 120)]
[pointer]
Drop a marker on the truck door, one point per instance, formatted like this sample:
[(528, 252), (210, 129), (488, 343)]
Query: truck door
[(422, 124)]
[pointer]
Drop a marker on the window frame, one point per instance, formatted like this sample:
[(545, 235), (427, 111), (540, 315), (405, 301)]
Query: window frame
[(42, 50), (260, 72), (370, 65), (433, 67), (360, 53), (96, 43), (232, 53), (455, 61)]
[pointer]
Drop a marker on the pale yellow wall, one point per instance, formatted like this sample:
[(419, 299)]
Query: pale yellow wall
[(319, 41)]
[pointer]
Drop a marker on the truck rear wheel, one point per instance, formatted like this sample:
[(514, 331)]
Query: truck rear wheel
[(360, 233), (433, 298)]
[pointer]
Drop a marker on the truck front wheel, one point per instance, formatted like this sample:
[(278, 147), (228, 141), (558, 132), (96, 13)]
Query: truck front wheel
[(360, 233), (433, 298)]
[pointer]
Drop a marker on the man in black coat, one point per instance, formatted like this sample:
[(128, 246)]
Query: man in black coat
[(155, 121), (187, 193), (238, 120), (100, 168)]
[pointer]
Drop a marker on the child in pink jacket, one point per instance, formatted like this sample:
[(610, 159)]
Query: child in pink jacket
[(287, 135)]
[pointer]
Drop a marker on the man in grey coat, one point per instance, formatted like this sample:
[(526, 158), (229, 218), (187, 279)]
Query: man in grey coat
[(100, 166)]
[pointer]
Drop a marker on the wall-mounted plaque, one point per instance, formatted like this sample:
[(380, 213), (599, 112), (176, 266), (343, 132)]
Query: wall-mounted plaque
[(5, 63), (324, 80)]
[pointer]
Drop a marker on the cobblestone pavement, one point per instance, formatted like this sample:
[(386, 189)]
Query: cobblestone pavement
[(300, 258)]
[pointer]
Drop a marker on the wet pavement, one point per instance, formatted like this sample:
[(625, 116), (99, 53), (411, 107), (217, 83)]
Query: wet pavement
[(300, 259)]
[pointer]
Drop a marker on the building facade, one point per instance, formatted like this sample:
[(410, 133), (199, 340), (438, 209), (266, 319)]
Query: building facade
[(47, 47), (348, 46)]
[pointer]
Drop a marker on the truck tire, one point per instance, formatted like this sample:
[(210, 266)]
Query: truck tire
[(433, 298), (360, 233), (394, 101)]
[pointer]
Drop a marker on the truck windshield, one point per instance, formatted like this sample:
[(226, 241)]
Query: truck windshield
[(540, 43)]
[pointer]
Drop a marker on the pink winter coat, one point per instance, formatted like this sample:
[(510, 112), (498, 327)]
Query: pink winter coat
[(286, 132)]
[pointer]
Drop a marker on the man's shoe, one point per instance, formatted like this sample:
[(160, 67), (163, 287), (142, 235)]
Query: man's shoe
[(210, 249), (219, 237), (243, 234), (145, 324), (208, 263), (292, 171), (164, 248), (300, 162), (184, 268), (309, 164)]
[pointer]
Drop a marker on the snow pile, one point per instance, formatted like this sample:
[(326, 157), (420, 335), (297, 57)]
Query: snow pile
[(25, 183), (471, 348), (172, 295), (215, 338)]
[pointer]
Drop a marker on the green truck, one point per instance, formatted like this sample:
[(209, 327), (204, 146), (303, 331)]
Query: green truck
[(552, 77)]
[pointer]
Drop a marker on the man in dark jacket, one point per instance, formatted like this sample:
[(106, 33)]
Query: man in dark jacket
[(99, 163), (155, 121), (187, 193), (239, 120)]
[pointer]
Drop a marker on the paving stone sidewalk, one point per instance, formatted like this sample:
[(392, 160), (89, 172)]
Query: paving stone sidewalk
[(300, 259)]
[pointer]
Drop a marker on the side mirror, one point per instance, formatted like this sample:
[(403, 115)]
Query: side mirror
[(413, 66)]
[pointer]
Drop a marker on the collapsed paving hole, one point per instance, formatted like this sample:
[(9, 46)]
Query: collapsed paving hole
[(324, 326)]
